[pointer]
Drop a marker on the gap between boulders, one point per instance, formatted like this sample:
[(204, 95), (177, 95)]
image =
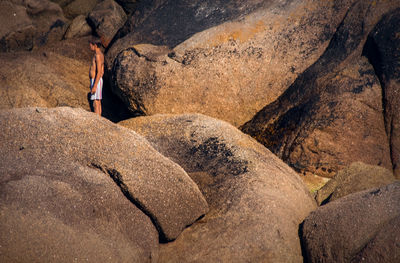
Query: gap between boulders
[(116, 176)]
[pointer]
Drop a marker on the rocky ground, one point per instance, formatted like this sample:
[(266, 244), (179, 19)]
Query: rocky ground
[(222, 120)]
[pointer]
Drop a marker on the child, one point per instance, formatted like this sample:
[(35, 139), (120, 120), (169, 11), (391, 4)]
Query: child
[(96, 72)]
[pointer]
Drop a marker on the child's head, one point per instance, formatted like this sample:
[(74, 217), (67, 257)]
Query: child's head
[(95, 43)]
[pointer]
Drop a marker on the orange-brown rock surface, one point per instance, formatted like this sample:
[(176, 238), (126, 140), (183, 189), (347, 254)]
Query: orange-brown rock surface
[(226, 59), (361, 227), (74, 186), (52, 76), (317, 82), (332, 115), (43, 79), (256, 201)]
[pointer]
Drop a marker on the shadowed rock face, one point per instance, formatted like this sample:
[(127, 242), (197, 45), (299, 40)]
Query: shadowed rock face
[(363, 225), (128, 5), (170, 22), (331, 115), (382, 49), (256, 201), (64, 161), (62, 3), (242, 57)]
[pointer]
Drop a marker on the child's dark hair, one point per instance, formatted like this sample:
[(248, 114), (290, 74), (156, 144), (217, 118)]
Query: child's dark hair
[(96, 42)]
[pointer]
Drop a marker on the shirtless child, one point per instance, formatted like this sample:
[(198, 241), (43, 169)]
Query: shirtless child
[(96, 72)]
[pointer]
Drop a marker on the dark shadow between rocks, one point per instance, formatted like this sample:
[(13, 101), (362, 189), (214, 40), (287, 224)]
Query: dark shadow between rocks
[(310, 104), (117, 177), (327, 200), (303, 247), (90, 102), (381, 49), (113, 108)]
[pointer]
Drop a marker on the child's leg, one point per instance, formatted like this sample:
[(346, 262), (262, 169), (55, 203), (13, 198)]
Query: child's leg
[(95, 106), (99, 105)]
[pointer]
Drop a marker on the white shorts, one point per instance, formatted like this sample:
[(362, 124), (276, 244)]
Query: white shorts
[(99, 90)]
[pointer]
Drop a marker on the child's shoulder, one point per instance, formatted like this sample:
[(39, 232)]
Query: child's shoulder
[(99, 56)]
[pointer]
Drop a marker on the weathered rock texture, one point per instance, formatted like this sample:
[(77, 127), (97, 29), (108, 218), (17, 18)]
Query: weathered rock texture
[(28, 24), (16, 28), (332, 115), (355, 178), (227, 59), (384, 247), (78, 28), (256, 201), (57, 195), (43, 79), (52, 76), (107, 18), (383, 51), (79, 7), (358, 226), (64, 212)]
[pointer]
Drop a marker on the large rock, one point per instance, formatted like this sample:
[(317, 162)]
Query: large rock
[(52, 76), (78, 28), (79, 7), (107, 18), (227, 59), (43, 79), (31, 23), (57, 167), (256, 201), (16, 28), (332, 115), (355, 178), (384, 247), (66, 212), (364, 224), (382, 49)]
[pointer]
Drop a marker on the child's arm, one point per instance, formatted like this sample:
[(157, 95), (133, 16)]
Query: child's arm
[(98, 74)]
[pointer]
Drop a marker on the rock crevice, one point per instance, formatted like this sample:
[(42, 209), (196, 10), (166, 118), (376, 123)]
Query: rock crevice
[(319, 112)]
